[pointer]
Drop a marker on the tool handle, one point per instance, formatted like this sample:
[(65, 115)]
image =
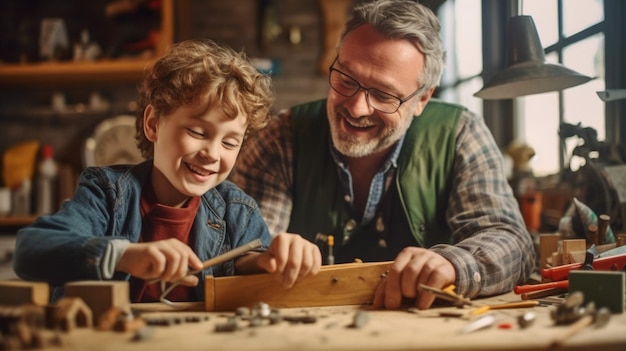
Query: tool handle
[(519, 304), (523, 289), (543, 293), (610, 263), (229, 255), (232, 254), (572, 329)]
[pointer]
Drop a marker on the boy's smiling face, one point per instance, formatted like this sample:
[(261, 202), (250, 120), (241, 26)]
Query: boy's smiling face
[(195, 148)]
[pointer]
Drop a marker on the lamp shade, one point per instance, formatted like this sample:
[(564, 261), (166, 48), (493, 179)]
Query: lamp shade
[(527, 71)]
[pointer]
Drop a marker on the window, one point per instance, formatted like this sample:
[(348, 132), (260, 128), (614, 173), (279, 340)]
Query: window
[(461, 33), (571, 36), (574, 38)]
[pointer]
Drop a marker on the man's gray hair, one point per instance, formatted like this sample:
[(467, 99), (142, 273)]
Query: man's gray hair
[(405, 19)]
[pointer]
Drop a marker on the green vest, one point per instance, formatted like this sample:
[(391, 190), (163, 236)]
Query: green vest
[(412, 212)]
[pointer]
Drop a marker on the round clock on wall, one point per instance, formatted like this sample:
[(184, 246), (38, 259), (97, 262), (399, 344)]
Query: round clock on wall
[(112, 142)]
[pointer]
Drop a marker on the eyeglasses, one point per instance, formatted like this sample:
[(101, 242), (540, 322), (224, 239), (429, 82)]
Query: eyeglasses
[(380, 101)]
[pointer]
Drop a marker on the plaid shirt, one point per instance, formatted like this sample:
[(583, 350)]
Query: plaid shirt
[(492, 249)]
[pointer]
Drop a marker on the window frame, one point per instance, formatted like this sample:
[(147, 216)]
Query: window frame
[(500, 115)]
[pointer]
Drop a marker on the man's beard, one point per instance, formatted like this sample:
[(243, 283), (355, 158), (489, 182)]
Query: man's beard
[(356, 147)]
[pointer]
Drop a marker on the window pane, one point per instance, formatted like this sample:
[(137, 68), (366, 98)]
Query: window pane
[(581, 104), (586, 56), (581, 14), (545, 16), (538, 126), (461, 33), (446, 17), (468, 37), (463, 94), (462, 39)]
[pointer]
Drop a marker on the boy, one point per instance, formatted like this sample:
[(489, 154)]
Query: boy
[(161, 218)]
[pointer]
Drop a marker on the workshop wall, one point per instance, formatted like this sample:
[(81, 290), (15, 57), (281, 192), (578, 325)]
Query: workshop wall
[(285, 33)]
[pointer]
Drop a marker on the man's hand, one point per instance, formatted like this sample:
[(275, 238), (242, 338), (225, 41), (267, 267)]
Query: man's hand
[(291, 257), (414, 266), (167, 260)]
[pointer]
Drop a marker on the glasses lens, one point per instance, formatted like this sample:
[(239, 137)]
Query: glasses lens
[(383, 102), (348, 86), (343, 84)]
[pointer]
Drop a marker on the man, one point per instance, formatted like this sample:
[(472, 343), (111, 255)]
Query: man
[(389, 172)]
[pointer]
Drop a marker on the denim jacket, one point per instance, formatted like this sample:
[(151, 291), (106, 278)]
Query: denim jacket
[(70, 244)]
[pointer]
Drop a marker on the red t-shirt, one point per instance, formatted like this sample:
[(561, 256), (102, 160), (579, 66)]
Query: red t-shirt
[(163, 222)]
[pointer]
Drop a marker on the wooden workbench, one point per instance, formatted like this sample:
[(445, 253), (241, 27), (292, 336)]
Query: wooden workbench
[(385, 330)]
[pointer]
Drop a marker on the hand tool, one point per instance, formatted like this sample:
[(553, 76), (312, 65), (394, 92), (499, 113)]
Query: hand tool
[(612, 260), (520, 304), (448, 295), (525, 320), (603, 225), (458, 300), (522, 289), (481, 323), (599, 318), (534, 295), (229, 255), (330, 240)]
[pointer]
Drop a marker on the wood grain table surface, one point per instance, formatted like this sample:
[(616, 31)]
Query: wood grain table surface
[(402, 329)]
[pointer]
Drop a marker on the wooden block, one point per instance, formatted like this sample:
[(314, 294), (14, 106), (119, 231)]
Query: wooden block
[(548, 243), (18, 292), (572, 245), (100, 295), (340, 284), (604, 288), (556, 259), (577, 256)]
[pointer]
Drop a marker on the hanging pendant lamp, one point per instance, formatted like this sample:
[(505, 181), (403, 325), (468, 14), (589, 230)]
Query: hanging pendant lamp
[(527, 71)]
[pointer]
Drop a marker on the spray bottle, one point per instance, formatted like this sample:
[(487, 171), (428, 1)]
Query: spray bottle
[(46, 181)]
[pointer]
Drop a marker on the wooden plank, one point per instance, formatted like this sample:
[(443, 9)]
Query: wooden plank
[(341, 284), (548, 244), (209, 293)]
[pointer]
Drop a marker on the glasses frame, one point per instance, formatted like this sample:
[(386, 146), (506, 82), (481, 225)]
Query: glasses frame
[(367, 90)]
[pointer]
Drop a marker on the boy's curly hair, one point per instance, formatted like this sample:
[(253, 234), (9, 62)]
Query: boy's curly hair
[(196, 68)]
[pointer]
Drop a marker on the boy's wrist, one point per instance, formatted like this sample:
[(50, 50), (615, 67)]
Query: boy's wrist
[(112, 255)]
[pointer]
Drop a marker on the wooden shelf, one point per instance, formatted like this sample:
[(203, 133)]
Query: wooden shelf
[(16, 221), (89, 72), (55, 73)]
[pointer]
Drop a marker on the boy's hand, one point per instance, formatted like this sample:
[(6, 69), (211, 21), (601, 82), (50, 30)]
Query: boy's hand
[(291, 257), (167, 260)]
